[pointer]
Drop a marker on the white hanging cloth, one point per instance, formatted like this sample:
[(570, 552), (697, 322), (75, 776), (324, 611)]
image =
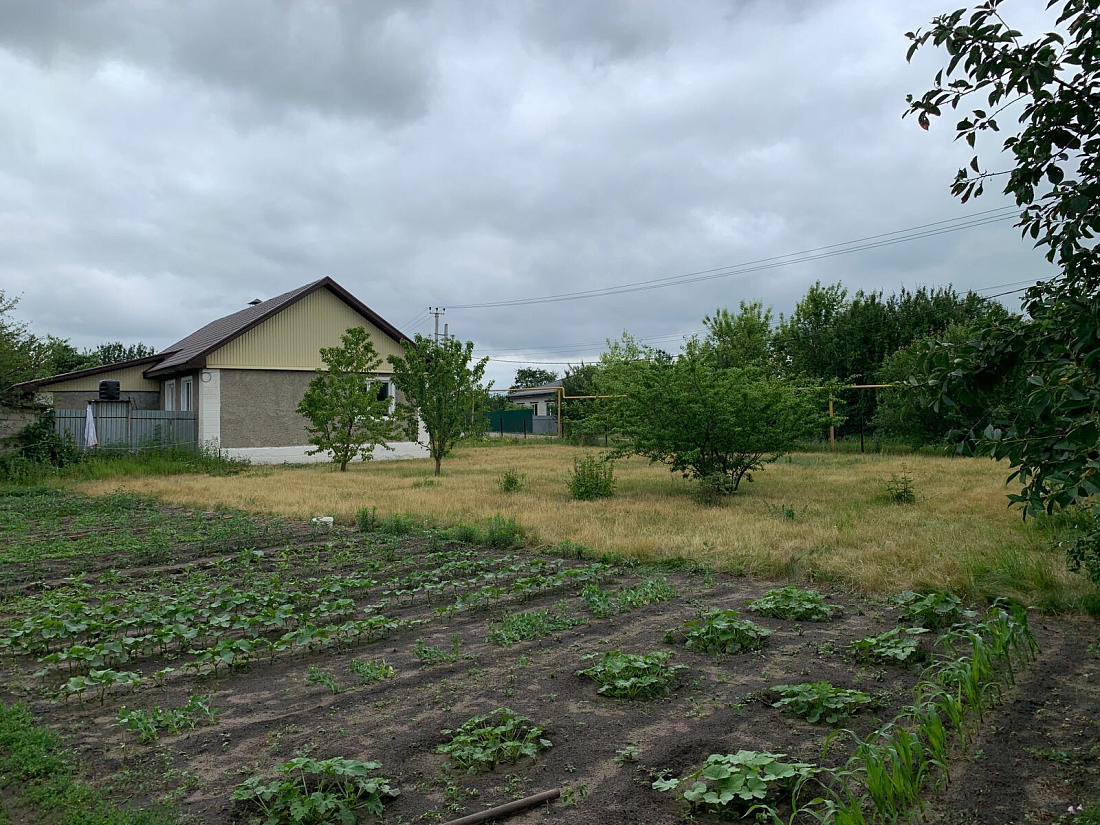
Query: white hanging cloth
[(90, 438)]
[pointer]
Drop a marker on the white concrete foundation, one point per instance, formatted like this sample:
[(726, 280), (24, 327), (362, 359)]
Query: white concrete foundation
[(298, 455)]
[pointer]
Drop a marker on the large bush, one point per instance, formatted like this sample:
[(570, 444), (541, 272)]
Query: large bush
[(705, 420)]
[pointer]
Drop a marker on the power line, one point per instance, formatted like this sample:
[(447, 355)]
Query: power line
[(817, 253)]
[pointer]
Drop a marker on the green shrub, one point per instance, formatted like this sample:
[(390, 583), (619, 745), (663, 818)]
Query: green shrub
[(632, 676), (591, 479), (720, 631), (483, 742), (899, 489), (817, 701), (502, 533), (511, 481), (793, 603)]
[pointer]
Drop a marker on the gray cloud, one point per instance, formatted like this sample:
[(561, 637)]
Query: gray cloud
[(163, 163)]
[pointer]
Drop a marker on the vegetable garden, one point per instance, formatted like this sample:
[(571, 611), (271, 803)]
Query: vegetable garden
[(232, 669)]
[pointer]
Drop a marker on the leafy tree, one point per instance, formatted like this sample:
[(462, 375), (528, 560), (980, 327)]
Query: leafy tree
[(16, 349), (530, 377), (807, 341), (1052, 441), (741, 339), (442, 384), (348, 416), (704, 422), (111, 352)]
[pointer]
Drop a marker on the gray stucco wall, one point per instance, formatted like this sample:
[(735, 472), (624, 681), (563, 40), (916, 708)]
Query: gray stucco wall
[(259, 408), (78, 400)]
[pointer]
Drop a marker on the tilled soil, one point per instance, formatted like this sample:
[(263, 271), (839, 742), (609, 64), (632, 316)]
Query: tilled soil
[(1031, 759)]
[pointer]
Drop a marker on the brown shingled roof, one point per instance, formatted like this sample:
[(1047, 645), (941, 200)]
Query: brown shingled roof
[(190, 352)]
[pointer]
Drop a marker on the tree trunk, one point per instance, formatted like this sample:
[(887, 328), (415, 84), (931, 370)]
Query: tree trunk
[(438, 459), (343, 466)]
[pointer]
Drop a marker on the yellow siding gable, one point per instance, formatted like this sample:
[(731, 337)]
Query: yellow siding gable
[(292, 339), (130, 380)]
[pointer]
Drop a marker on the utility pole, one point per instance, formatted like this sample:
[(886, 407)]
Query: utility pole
[(446, 337), (437, 311)]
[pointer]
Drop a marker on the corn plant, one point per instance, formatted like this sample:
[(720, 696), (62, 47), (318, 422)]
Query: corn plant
[(820, 701), (312, 792), (733, 785), (483, 742), (719, 631), (633, 676), (894, 647), (793, 603)]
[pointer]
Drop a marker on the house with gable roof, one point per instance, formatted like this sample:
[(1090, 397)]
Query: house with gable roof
[(243, 375)]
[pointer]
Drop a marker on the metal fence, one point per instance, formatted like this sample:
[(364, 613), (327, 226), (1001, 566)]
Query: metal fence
[(119, 426)]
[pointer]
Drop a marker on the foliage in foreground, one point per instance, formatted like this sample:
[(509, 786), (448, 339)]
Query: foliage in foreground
[(719, 631), (314, 792), (39, 776), (793, 603), (1050, 439), (633, 676), (483, 742), (730, 784)]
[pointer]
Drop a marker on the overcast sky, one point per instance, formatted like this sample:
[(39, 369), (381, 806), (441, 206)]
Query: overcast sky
[(163, 163)]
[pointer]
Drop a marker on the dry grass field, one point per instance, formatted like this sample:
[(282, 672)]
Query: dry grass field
[(823, 517)]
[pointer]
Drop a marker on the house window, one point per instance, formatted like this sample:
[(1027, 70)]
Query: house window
[(170, 394), (385, 391), (186, 399)]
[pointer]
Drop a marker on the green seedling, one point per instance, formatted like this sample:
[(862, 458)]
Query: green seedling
[(720, 631), (820, 701)]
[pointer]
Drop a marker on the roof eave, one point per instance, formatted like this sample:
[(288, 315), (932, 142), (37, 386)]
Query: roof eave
[(33, 386)]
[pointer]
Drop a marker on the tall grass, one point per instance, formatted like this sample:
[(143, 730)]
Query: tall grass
[(956, 534), (114, 464)]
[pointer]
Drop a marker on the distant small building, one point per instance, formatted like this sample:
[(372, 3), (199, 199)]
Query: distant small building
[(538, 398), (242, 376)]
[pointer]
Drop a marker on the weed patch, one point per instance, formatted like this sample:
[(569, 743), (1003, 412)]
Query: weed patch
[(591, 479)]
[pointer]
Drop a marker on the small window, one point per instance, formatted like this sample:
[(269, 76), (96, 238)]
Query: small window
[(170, 394), (383, 390), (186, 399)]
